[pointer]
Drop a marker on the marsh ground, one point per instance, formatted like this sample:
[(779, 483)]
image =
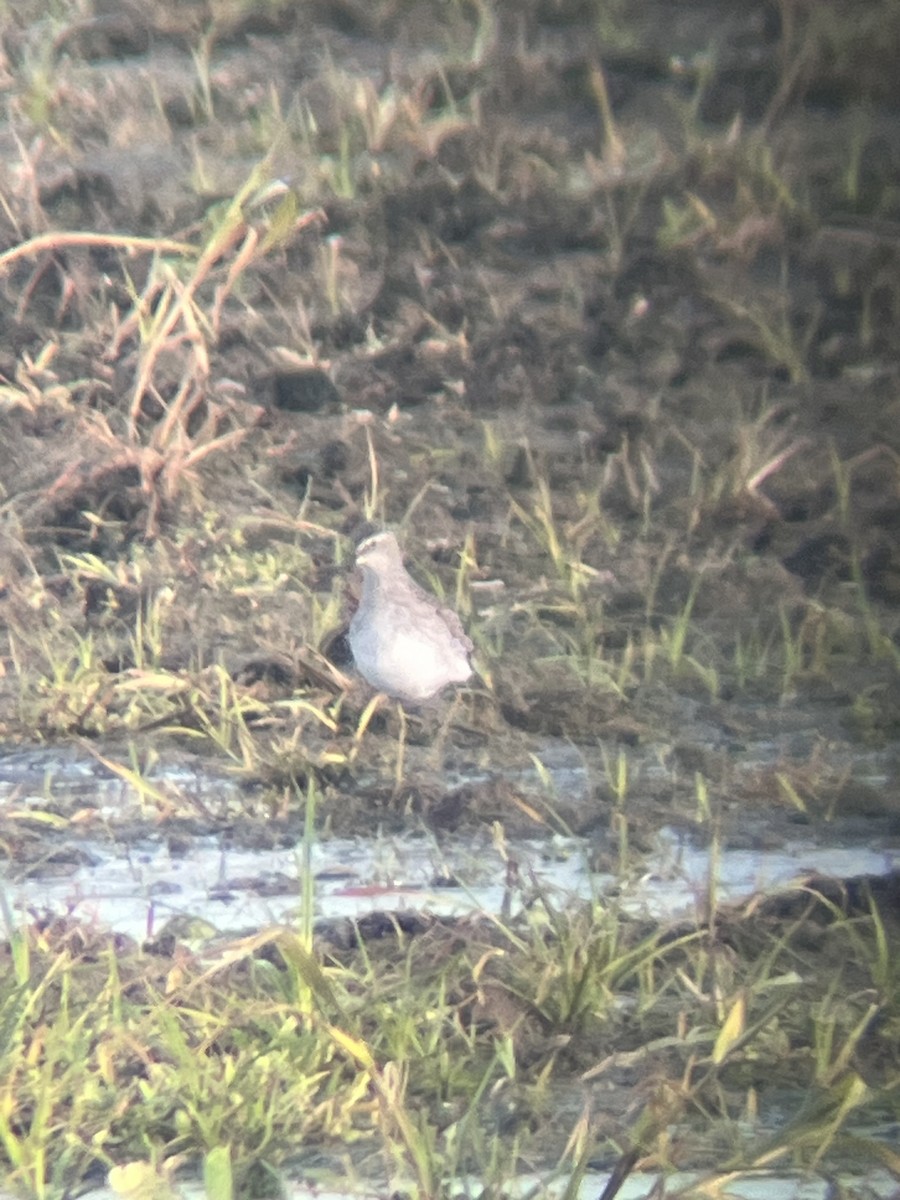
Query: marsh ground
[(597, 303)]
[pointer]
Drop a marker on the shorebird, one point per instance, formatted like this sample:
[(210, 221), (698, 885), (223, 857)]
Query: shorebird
[(404, 641)]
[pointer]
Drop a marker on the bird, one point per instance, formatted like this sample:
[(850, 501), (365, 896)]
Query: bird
[(404, 641)]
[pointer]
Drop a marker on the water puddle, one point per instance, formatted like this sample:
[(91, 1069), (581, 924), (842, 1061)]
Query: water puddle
[(136, 883), (140, 881), (138, 889), (761, 1185)]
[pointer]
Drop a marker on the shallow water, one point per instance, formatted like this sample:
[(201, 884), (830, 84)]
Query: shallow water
[(762, 1186), (141, 880), (137, 889), (135, 883)]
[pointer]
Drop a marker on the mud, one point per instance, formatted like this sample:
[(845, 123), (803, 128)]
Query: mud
[(642, 356)]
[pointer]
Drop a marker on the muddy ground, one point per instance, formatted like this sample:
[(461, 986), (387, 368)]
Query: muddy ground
[(597, 304), (604, 301)]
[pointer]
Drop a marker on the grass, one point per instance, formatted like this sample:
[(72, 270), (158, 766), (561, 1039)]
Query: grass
[(109, 673), (406, 1053), (599, 483)]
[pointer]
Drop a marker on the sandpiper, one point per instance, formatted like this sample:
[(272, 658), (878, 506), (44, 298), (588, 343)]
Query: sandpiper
[(404, 641)]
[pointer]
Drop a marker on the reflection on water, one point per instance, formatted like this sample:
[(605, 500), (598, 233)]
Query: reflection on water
[(209, 888), (762, 1185), (136, 885)]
